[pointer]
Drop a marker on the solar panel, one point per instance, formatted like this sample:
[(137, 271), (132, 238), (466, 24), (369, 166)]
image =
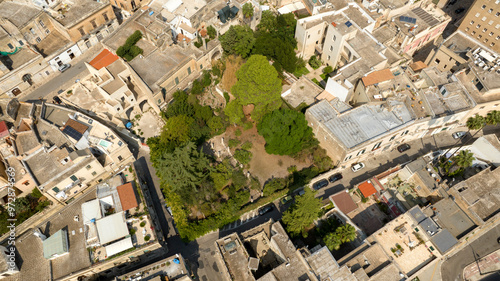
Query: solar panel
[(348, 23), (72, 133), (408, 19)]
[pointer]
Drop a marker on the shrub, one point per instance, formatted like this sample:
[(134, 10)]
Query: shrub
[(135, 51), (129, 50), (36, 193), (197, 44), (147, 237), (233, 143), (212, 33), (197, 88), (226, 97), (327, 69), (314, 62), (132, 231), (243, 156), (238, 133), (247, 126), (143, 224), (247, 145), (134, 38)]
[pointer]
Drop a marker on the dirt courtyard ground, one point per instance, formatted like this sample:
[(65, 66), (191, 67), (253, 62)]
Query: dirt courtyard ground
[(264, 166)]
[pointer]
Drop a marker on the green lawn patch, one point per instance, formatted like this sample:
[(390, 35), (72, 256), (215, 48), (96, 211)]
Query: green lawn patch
[(301, 71)]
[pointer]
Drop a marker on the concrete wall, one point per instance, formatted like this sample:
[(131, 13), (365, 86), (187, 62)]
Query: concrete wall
[(308, 39), (485, 19), (334, 43), (86, 24), (412, 44), (444, 59), (64, 57)]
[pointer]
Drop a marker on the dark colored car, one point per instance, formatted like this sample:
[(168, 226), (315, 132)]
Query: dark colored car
[(335, 177), (498, 240), (459, 10), (57, 100), (320, 184), (404, 147), (265, 209)]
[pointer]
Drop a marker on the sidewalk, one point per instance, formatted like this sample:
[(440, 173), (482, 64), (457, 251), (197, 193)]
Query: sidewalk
[(485, 265)]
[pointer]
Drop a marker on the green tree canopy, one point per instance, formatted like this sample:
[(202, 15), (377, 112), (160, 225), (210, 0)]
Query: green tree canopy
[(268, 21), (177, 129), (343, 234), (212, 33), (247, 10), (302, 213), (286, 132), (258, 84), (464, 158), (493, 117), (183, 171), (238, 40), (475, 123), (274, 47)]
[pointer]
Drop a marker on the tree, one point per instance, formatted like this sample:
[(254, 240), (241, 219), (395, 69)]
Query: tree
[(234, 112), (274, 185), (258, 84), (327, 69), (267, 22), (247, 10), (314, 62), (212, 33), (302, 213), (180, 106), (286, 132), (475, 123), (177, 129), (464, 158), (238, 40), (183, 171), (493, 117), (343, 234)]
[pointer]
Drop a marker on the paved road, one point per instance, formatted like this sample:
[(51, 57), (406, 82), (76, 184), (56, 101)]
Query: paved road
[(452, 268)]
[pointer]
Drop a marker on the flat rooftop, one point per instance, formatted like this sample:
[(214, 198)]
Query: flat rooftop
[(455, 99), (18, 13), (235, 257), (421, 20), (363, 123), (480, 192), (79, 10), (29, 247), (410, 255), (374, 254), (18, 59), (450, 216), (301, 91), (393, 4)]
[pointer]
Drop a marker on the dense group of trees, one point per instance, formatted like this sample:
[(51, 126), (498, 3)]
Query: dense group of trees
[(274, 38), (129, 50), (302, 213)]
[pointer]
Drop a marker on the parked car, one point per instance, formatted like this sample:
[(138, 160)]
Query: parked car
[(265, 209), (320, 184), (57, 100), (286, 199), (459, 10), (357, 166), (404, 147), (334, 178), (302, 192), (458, 135), (64, 67)]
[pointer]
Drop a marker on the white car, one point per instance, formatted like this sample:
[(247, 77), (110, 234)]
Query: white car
[(357, 166), (64, 67), (459, 135)]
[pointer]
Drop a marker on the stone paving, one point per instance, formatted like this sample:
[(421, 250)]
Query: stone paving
[(487, 264)]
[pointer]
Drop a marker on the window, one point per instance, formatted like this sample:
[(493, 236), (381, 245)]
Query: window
[(481, 107), (484, 29), (361, 152), (477, 15), (176, 80), (483, 19), (483, 7), (41, 23), (445, 66), (47, 31), (490, 22), (497, 26), (21, 42), (82, 32), (32, 31), (318, 31), (120, 158), (110, 28), (10, 46), (328, 58), (94, 25), (498, 37), (478, 26), (105, 16), (497, 14), (334, 38), (347, 158), (392, 138), (189, 70), (473, 33), (377, 146), (437, 61), (201, 66), (26, 183), (471, 22), (38, 40), (120, 143), (331, 48), (55, 189), (88, 167), (73, 178), (405, 133), (308, 36), (159, 101), (94, 173), (492, 44), (479, 36), (485, 40), (491, 34), (466, 29), (490, 11)]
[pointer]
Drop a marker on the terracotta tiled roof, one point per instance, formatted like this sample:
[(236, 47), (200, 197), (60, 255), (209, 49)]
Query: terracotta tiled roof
[(203, 32), (4, 130), (344, 202), (103, 59), (367, 189), (77, 126), (127, 196), (418, 65), (377, 77)]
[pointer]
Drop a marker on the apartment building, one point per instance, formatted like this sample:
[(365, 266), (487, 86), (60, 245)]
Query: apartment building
[(482, 22)]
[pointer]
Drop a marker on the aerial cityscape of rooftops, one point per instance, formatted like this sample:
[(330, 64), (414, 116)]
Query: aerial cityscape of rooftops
[(244, 140)]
